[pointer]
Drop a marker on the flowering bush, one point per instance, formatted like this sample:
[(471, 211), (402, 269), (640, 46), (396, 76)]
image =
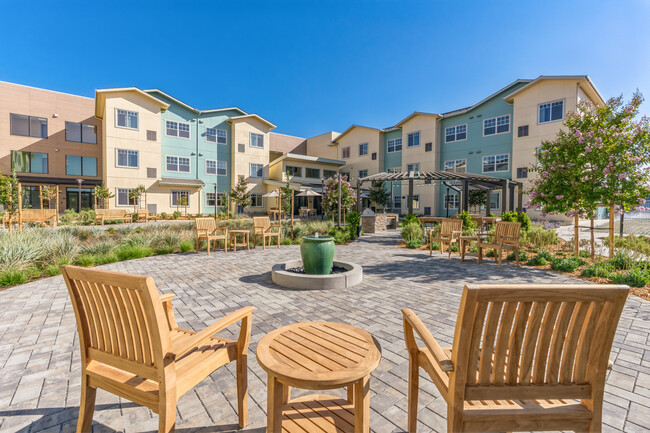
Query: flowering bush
[(331, 195)]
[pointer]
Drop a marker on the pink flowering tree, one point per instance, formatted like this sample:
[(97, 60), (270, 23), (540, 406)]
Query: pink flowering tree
[(331, 195), (599, 158)]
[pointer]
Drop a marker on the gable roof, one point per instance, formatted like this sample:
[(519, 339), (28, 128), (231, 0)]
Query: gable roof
[(591, 88), (410, 116), (482, 101), (189, 107), (354, 127), (251, 116), (100, 98), (297, 157)]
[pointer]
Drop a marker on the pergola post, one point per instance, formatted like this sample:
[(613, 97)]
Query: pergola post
[(359, 195), (465, 195), (488, 203), (504, 195), (512, 196), (410, 207), (520, 198)]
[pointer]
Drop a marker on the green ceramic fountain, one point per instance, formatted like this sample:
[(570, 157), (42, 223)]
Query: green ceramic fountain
[(317, 254)]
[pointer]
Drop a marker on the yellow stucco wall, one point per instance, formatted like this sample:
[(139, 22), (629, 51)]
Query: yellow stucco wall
[(321, 145)]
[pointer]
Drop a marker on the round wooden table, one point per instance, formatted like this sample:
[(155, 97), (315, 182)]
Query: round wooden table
[(244, 239), (318, 355)]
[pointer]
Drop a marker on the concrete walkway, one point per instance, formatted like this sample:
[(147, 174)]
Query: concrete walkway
[(39, 354)]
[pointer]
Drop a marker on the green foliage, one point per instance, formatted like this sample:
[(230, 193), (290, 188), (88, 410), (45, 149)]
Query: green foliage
[(12, 277), (477, 198), (161, 251), (9, 193), (455, 248), (545, 255), (240, 194), (354, 220), (129, 252), (341, 236), (102, 194), (598, 269), (285, 241), (164, 215), (635, 277), (584, 254), (176, 215), (102, 259), (435, 246), (412, 233), (568, 264), (622, 261), (521, 217), (330, 198), (522, 256), (86, 216), (467, 220), (186, 246), (539, 237), (85, 260), (491, 253), (136, 193), (379, 194), (286, 196), (473, 249), (409, 218), (69, 215), (51, 270), (538, 260)]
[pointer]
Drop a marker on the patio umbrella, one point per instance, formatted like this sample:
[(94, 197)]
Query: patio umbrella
[(275, 193), (308, 193)]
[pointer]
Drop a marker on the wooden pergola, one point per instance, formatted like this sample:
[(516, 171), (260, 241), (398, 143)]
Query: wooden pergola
[(462, 183)]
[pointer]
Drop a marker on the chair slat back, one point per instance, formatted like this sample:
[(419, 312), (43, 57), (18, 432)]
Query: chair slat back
[(450, 225), (120, 319), (507, 229), (205, 225), (527, 336), (261, 223)]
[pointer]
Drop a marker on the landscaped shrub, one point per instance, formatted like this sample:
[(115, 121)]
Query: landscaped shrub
[(522, 256), (161, 251), (635, 277), (409, 218), (176, 215), (285, 241), (51, 270), (69, 215), (491, 253), (186, 246), (412, 234), (102, 259), (622, 261), (12, 277), (85, 260), (584, 254), (19, 250), (455, 248), (539, 237), (545, 255), (129, 252), (62, 245), (86, 216), (354, 220), (467, 220), (568, 264), (99, 248), (341, 236), (521, 217), (598, 269), (435, 246), (538, 260), (473, 249)]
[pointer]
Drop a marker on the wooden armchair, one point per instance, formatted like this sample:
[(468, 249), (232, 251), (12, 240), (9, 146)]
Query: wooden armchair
[(144, 215), (263, 228), (206, 228), (506, 237), (131, 345), (450, 233), (524, 357)]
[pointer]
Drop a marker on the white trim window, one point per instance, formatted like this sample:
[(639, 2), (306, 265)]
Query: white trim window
[(496, 163), (215, 135), (451, 201), (363, 173), (393, 169), (496, 125), (495, 201), (256, 170), (293, 170), (216, 168), (345, 152), (178, 196), (209, 199), (414, 166), (126, 119), (257, 200), (456, 133), (394, 145), (363, 149), (177, 129), (126, 158), (413, 139), (551, 111), (122, 197), (177, 164), (416, 201), (397, 202), (257, 140), (456, 166)]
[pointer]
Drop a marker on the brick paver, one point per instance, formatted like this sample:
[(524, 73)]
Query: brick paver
[(39, 355)]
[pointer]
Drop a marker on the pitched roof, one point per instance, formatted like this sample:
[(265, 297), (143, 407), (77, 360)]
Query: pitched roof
[(482, 101), (353, 127), (251, 116), (583, 78), (410, 116), (189, 107), (100, 98)]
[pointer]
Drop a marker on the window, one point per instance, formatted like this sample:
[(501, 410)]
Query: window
[(151, 135), (329, 173), (397, 202), (456, 133), (210, 196), (179, 164), (29, 162), (152, 172), (495, 201), (415, 166), (416, 201), (257, 140), (395, 145), (257, 200), (257, 170), (428, 147), (126, 119), (456, 166), (374, 156), (345, 152), (451, 201), (496, 125), (214, 135), (127, 158), (180, 198), (216, 167), (394, 170), (123, 197), (496, 163), (363, 173), (177, 129), (413, 139), (80, 133), (522, 172), (363, 149), (522, 131), (80, 166), (294, 171), (28, 126), (312, 173), (551, 111)]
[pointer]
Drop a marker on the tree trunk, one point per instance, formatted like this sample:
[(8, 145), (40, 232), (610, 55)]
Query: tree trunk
[(576, 236), (593, 241), (611, 230)]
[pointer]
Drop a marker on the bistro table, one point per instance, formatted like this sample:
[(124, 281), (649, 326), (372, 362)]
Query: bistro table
[(464, 240), (318, 356), (245, 237)]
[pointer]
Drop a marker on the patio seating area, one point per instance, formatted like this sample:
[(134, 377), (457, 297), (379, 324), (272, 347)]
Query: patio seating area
[(40, 365)]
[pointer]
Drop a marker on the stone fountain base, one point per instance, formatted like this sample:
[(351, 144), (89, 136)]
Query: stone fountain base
[(352, 275)]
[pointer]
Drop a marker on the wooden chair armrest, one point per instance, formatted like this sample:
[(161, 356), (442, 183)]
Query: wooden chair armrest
[(204, 334), (413, 322), (166, 297), (166, 300)]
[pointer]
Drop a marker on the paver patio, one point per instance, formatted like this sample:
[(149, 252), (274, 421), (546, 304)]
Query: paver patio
[(39, 354)]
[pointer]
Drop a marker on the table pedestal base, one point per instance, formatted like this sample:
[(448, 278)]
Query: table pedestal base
[(318, 412)]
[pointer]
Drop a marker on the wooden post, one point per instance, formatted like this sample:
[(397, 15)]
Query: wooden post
[(488, 204), (504, 195), (57, 205), (576, 236), (40, 196), (593, 241), (145, 201), (95, 196), (611, 230), (20, 207), (410, 206), (620, 229), (10, 216), (359, 195), (520, 198), (292, 195), (339, 188)]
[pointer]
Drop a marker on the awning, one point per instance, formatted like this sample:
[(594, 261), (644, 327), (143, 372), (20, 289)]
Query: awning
[(317, 187), (57, 180), (168, 181)]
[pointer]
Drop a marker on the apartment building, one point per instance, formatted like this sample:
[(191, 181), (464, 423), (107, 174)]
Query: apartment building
[(50, 138)]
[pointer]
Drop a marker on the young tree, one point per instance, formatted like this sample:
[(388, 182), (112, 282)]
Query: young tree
[(286, 196), (240, 194), (135, 194), (379, 194), (49, 193), (600, 158), (331, 195), (102, 194), (477, 198), (9, 194)]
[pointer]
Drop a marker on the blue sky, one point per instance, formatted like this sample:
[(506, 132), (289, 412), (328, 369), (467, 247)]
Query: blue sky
[(314, 66)]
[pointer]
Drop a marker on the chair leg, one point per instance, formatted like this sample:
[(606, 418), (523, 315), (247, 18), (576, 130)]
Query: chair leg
[(167, 417), (197, 245), (480, 255), (242, 390), (208, 246), (278, 241), (449, 250), (517, 256), (414, 384), (86, 406), (499, 258)]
